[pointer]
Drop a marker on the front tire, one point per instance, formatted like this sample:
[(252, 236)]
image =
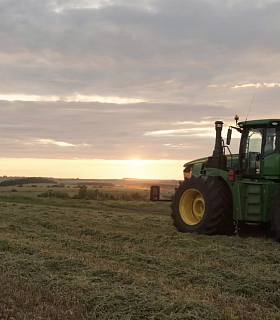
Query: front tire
[(203, 204)]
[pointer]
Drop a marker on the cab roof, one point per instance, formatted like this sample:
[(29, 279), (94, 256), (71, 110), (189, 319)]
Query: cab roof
[(263, 122)]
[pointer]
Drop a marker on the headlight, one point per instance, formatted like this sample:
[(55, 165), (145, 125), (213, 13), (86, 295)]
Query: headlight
[(187, 172)]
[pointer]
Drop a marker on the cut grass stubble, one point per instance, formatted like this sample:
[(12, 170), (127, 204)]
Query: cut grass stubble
[(118, 263)]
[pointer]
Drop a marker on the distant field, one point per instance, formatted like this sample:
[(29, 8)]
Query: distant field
[(71, 186), (123, 183), (124, 260)]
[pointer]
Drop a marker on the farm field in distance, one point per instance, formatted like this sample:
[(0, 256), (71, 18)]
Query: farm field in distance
[(114, 259), (71, 186)]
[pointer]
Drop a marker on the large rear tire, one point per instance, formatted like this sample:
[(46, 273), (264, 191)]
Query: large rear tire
[(203, 204), (275, 214)]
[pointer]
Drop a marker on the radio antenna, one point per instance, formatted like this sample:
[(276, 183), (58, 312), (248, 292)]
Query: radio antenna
[(250, 106)]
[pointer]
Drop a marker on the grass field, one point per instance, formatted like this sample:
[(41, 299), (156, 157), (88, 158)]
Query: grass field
[(124, 260), (72, 189)]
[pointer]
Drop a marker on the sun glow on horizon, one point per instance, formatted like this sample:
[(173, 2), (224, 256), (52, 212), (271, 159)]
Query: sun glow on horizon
[(136, 162), (93, 168)]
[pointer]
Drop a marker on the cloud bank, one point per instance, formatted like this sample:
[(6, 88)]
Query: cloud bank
[(132, 79)]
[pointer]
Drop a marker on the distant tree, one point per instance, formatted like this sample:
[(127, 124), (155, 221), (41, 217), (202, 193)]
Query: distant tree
[(61, 195), (52, 194), (31, 180), (90, 194), (95, 194), (136, 196), (126, 197), (82, 192)]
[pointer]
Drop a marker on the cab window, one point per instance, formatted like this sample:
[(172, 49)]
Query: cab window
[(251, 151), (270, 141)]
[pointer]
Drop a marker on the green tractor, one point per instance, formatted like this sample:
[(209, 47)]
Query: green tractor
[(222, 190)]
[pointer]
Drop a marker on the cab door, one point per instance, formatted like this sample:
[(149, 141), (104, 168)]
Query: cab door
[(251, 152), (259, 163), (271, 156)]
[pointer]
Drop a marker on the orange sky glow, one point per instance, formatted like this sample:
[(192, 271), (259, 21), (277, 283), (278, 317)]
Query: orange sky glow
[(94, 169)]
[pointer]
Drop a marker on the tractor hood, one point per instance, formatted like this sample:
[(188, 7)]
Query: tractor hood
[(234, 159)]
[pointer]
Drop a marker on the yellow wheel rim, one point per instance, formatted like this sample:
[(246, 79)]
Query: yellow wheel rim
[(192, 207)]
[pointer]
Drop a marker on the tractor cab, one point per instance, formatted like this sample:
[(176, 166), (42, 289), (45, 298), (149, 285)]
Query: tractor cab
[(259, 154)]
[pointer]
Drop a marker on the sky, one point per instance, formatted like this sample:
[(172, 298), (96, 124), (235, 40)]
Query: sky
[(129, 88)]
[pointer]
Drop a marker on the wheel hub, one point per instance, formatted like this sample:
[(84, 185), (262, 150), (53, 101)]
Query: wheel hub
[(192, 207)]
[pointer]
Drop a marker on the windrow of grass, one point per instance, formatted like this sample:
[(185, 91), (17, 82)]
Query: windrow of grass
[(129, 263)]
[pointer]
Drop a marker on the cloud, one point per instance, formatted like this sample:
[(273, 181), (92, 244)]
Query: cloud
[(257, 85), (58, 143), (178, 131), (67, 130), (131, 79), (191, 122), (74, 98)]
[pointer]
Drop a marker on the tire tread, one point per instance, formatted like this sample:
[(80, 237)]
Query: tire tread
[(219, 220)]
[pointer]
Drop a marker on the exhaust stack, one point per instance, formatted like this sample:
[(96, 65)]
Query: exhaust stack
[(218, 150), (218, 159)]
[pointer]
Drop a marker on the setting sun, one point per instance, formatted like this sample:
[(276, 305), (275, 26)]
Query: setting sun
[(136, 162)]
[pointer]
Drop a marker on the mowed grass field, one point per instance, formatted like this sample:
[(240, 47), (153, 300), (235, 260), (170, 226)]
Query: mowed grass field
[(125, 260)]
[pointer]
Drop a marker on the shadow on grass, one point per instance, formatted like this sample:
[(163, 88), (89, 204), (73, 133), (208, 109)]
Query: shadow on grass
[(262, 230)]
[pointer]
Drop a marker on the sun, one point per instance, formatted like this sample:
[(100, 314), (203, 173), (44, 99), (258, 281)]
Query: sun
[(135, 162)]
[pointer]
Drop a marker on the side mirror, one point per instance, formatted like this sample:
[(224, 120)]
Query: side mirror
[(154, 193), (229, 136)]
